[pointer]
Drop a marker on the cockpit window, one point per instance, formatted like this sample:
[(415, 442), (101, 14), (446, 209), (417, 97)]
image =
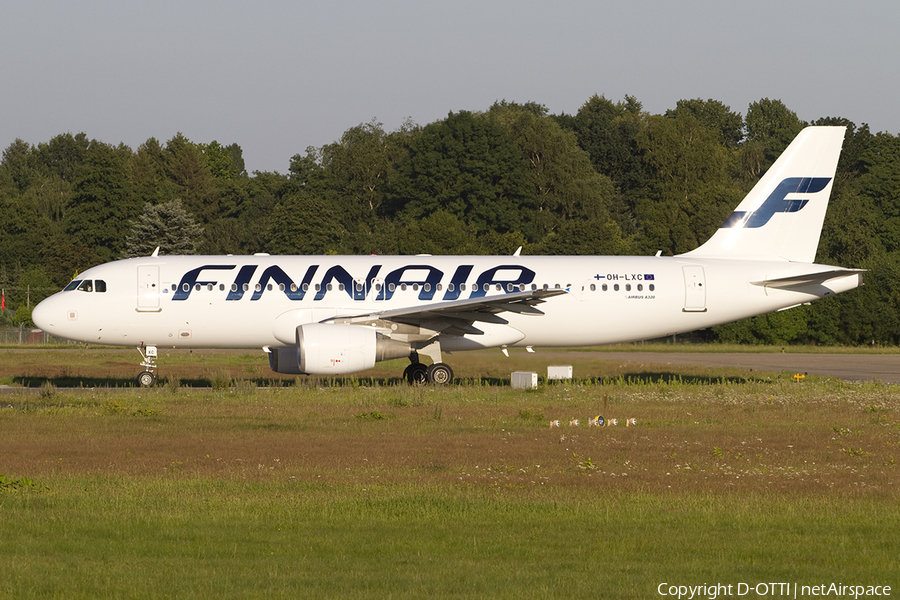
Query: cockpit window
[(86, 285)]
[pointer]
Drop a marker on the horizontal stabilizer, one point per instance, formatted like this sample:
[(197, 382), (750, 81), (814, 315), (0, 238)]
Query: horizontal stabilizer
[(817, 278)]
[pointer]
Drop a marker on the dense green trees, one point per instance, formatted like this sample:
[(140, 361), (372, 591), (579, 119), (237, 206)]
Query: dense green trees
[(166, 226), (610, 179)]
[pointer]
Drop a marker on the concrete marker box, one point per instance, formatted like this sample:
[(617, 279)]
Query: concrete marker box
[(559, 372), (524, 380)]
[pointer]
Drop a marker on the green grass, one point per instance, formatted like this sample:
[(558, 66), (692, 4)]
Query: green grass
[(121, 537), (356, 487)]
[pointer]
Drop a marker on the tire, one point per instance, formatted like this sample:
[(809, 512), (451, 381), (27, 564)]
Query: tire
[(416, 373), (146, 379), (440, 374)]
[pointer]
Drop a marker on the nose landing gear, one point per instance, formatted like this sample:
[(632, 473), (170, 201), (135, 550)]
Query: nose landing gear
[(147, 378)]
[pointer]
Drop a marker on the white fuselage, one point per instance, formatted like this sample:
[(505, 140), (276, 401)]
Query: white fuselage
[(258, 301)]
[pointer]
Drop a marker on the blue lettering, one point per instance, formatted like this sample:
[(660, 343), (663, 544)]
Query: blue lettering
[(489, 278), (396, 277), (243, 278), (190, 280), (292, 291), (339, 274), (361, 290), (459, 277)]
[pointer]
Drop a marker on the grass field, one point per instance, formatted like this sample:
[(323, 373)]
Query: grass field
[(362, 487)]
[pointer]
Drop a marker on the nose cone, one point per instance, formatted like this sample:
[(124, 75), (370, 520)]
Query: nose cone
[(47, 315)]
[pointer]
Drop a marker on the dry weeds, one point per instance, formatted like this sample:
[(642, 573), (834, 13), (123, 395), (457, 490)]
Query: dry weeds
[(815, 437)]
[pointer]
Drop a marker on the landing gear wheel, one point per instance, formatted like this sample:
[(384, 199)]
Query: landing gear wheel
[(415, 373), (440, 374), (146, 379)]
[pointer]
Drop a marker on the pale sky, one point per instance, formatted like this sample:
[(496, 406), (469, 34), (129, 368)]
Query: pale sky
[(276, 76)]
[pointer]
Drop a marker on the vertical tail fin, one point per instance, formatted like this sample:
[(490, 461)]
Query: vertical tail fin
[(781, 218)]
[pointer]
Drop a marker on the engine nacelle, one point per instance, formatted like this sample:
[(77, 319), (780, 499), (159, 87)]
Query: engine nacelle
[(325, 349)]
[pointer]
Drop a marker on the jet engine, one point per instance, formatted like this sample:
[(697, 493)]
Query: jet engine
[(325, 349)]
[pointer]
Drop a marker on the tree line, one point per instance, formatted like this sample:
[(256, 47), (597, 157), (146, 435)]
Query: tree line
[(610, 179)]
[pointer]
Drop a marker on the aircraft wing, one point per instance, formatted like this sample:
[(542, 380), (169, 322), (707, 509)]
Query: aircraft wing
[(456, 317)]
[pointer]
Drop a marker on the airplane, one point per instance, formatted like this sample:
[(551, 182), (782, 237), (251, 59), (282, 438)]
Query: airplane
[(334, 315)]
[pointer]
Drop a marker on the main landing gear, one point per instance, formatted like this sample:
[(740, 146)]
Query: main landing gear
[(438, 373), (147, 378)]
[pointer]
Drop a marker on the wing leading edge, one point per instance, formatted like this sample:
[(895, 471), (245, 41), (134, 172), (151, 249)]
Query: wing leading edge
[(457, 317)]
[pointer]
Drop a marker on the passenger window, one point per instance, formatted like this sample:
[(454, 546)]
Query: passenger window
[(605, 287), (593, 288), (640, 287), (209, 287), (186, 287), (652, 287), (221, 287), (402, 287), (450, 287), (627, 287), (616, 287)]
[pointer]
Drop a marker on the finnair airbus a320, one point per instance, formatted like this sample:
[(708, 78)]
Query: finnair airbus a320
[(330, 315)]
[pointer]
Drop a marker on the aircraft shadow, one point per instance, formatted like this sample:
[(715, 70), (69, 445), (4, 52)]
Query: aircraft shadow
[(635, 378)]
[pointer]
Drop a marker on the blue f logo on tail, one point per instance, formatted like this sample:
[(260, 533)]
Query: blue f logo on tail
[(776, 202)]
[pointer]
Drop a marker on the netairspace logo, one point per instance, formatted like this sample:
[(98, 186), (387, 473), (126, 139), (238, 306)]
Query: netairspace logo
[(771, 590)]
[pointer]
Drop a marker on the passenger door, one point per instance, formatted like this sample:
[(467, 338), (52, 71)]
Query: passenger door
[(148, 288)]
